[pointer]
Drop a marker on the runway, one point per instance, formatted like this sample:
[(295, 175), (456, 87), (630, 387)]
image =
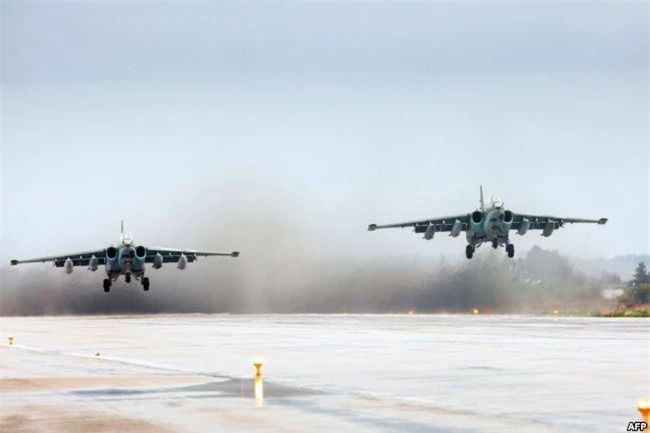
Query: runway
[(322, 373)]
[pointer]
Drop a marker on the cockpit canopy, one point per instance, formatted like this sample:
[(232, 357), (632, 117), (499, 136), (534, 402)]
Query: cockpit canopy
[(126, 239), (496, 202)]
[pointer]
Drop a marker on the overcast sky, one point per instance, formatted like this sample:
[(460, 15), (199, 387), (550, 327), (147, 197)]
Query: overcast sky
[(316, 119)]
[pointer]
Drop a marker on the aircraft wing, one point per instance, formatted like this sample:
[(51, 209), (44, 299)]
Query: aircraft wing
[(174, 254), (538, 222), (443, 224), (79, 259)]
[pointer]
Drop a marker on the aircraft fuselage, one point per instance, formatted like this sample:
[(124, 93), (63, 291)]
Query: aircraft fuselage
[(127, 261), (494, 226)]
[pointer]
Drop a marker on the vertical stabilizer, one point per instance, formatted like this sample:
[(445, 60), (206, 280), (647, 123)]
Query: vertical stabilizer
[(122, 226), (482, 201)]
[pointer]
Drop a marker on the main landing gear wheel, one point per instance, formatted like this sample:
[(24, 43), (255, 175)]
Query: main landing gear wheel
[(127, 278), (469, 251), (495, 244), (145, 283), (107, 285), (510, 249)]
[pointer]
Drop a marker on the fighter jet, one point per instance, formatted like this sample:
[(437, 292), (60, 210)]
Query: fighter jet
[(125, 259), (488, 224)]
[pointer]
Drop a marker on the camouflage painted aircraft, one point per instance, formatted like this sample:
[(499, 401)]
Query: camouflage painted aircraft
[(488, 224), (125, 259)]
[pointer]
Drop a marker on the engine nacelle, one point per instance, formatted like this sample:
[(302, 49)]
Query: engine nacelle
[(158, 261), (182, 262), (93, 263), (68, 266), (456, 228), (477, 222), (523, 227), (430, 231), (112, 259), (548, 228), (139, 256), (508, 217)]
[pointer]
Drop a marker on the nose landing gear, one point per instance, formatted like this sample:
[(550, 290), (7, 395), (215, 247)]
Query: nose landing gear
[(145, 283), (107, 285), (510, 249), (469, 251), (127, 278)]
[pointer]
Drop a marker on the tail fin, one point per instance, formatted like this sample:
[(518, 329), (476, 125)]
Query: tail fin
[(122, 227), (482, 201)]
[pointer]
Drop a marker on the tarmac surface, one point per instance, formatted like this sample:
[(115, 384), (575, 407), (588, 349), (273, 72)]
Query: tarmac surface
[(322, 373)]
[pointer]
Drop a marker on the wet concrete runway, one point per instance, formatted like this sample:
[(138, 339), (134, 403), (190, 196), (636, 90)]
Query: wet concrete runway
[(194, 373)]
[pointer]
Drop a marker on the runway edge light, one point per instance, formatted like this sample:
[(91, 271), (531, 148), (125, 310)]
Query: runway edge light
[(11, 340)]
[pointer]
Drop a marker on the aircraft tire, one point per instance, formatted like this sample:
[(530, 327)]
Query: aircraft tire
[(145, 284), (127, 278), (510, 248), (107, 285), (469, 251), (495, 244)]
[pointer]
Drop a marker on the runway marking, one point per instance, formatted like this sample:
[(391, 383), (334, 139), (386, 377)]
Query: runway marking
[(124, 361)]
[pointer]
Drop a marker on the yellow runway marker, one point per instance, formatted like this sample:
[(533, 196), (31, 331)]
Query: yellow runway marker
[(476, 311), (258, 383)]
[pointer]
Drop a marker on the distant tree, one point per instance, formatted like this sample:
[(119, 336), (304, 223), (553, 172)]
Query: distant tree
[(547, 266), (639, 294), (610, 279), (640, 275)]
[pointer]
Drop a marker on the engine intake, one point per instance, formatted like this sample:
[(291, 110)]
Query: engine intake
[(140, 252), (111, 253), (112, 260), (477, 224), (508, 217)]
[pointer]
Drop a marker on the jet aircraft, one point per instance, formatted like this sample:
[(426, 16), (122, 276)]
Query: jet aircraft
[(488, 224), (125, 259)]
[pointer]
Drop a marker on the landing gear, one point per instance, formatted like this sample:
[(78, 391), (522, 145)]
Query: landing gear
[(145, 283), (127, 278), (469, 251), (510, 249), (107, 285), (495, 243)]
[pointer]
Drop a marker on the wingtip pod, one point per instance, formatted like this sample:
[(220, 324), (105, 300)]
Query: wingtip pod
[(234, 254), (602, 221), (14, 262), (372, 227)]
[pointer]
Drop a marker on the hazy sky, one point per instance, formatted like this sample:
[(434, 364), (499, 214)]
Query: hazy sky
[(312, 120)]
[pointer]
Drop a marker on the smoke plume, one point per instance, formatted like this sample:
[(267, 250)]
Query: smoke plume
[(282, 269)]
